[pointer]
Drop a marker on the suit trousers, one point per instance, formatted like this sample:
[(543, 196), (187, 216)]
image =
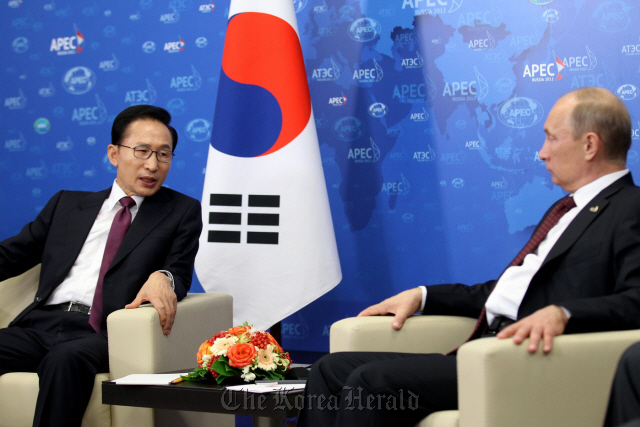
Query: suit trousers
[(624, 402), (65, 352), (378, 389)]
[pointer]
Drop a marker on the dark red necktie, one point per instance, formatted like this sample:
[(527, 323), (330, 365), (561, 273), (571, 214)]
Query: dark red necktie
[(119, 226), (562, 207)]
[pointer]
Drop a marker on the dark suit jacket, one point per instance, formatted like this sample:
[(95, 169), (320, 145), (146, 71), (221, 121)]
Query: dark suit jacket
[(593, 270), (163, 236)]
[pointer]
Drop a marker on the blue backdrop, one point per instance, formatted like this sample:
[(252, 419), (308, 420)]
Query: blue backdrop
[(429, 114)]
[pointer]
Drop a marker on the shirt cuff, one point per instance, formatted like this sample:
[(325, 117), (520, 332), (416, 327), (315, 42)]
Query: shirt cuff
[(567, 312), (424, 297), (170, 276)]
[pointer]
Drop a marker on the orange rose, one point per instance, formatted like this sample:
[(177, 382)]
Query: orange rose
[(205, 348), (241, 354), (238, 330), (273, 341)]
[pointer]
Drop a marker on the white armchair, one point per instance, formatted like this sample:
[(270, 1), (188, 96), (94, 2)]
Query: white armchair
[(500, 384), (136, 345)]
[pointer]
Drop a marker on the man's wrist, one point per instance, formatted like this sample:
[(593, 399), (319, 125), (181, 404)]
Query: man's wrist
[(170, 276)]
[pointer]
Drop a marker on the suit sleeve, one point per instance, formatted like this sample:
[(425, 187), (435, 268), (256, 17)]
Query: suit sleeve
[(24, 250), (457, 299), (182, 253)]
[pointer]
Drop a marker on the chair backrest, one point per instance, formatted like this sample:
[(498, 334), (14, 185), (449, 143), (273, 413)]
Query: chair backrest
[(16, 293)]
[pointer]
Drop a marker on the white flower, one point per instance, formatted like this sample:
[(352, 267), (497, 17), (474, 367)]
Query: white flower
[(247, 374), (220, 346), (266, 358)]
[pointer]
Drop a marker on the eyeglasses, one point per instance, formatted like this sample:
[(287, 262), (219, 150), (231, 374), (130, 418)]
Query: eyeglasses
[(163, 156)]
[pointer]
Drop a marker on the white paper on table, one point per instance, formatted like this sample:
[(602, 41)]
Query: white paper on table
[(148, 379), (265, 388)]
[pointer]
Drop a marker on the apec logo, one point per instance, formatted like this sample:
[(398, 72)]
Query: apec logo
[(378, 109), (580, 63), (17, 144), (410, 93), (47, 92), (170, 18), (422, 116), (425, 156), (67, 45), (174, 47), (627, 92), (631, 49), (613, 16), (487, 43), (432, 7), (145, 96), (37, 172), (207, 8), (176, 106), (416, 62), (467, 90), (188, 83), (65, 145), (14, 4), (90, 115), (328, 74), (369, 75), (635, 133), (369, 154), (20, 45), (79, 80), (110, 64), (199, 130), (540, 2), (202, 42), (551, 16), (16, 102), (349, 129), (520, 112), (148, 47), (364, 30), (399, 188), (544, 72), (338, 101)]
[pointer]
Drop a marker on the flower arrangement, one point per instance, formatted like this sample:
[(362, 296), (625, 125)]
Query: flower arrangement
[(241, 352)]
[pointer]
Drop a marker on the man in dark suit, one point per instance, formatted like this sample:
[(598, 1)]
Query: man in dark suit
[(579, 273), (57, 336)]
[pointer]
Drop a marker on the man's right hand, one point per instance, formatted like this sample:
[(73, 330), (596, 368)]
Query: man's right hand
[(402, 305)]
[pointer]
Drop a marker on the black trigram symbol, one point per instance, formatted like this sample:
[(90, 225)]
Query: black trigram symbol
[(235, 218)]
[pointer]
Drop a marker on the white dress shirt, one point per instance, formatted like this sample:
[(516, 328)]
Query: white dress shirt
[(512, 285), (80, 283)]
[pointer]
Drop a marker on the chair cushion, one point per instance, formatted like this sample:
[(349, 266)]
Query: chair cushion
[(441, 419)]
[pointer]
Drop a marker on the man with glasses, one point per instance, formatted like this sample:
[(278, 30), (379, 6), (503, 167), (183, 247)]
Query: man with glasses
[(132, 243)]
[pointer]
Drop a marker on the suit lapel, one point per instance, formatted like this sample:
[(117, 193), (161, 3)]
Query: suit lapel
[(587, 215), (151, 213)]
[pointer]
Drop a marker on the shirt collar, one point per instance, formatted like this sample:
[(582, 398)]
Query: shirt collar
[(587, 192), (118, 193)]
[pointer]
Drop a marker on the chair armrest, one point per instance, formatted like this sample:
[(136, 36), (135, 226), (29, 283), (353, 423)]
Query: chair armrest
[(137, 345), (501, 384), (420, 334)]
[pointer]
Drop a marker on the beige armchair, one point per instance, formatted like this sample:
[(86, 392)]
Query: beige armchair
[(136, 345), (501, 384)]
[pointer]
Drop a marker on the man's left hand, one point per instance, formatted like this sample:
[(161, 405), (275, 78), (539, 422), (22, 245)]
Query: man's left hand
[(544, 324), (157, 290)]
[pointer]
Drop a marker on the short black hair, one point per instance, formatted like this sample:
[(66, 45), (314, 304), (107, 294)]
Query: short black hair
[(137, 112)]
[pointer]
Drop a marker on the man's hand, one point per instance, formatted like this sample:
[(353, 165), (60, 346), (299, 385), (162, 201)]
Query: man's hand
[(402, 305), (544, 324), (157, 290)]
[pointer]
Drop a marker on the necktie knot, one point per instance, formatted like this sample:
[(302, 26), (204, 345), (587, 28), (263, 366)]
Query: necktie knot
[(127, 202)]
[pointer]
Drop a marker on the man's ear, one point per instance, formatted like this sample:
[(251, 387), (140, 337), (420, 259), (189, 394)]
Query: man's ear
[(592, 145), (112, 153)]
